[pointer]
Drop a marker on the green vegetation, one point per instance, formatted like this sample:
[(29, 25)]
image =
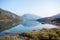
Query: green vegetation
[(9, 38), (44, 34)]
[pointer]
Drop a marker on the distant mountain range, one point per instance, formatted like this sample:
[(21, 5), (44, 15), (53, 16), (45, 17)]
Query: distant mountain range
[(56, 16), (52, 19), (30, 20), (30, 17), (8, 20)]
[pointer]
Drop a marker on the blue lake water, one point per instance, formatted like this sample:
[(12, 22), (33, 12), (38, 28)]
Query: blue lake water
[(21, 28)]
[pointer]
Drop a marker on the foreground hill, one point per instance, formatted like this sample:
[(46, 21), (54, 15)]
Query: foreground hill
[(44, 34), (8, 20)]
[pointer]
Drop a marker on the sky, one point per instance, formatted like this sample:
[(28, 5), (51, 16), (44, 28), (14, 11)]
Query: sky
[(43, 8)]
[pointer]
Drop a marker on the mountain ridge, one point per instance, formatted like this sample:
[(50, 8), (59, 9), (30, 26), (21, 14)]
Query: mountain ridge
[(30, 20), (50, 20), (8, 20)]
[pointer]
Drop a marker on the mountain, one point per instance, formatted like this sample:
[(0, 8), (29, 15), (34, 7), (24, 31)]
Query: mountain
[(55, 21), (44, 20), (52, 20), (48, 19), (8, 20), (56, 16), (30, 20), (30, 17)]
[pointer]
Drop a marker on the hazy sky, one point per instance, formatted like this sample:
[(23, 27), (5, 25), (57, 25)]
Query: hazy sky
[(42, 8)]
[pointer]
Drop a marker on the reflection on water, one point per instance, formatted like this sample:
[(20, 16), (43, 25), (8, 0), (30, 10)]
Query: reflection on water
[(21, 28)]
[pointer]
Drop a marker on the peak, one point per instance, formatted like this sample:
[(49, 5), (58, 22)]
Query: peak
[(30, 17), (29, 14), (1, 9), (58, 14)]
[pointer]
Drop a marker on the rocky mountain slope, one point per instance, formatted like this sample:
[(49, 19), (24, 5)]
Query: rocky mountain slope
[(8, 20), (51, 20)]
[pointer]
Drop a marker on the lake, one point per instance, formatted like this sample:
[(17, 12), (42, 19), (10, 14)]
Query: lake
[(21, 28)]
